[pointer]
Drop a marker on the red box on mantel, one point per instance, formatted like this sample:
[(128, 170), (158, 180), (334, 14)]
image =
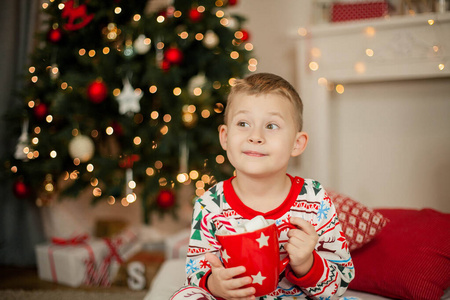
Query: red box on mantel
[(348, 11)]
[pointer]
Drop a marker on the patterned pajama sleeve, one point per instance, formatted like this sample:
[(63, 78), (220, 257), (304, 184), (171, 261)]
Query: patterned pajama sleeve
[(196, 264), (332, 248)]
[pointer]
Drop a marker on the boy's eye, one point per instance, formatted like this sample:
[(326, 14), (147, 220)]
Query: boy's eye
[(242, 124), (272, 126)]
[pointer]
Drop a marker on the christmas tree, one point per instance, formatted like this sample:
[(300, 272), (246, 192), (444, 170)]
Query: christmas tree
[(124, 99)]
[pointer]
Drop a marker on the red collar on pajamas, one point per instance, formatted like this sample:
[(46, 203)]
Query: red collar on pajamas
[(248, 213)]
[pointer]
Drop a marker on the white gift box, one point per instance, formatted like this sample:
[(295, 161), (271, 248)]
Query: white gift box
[(67, 264), (84, 261)]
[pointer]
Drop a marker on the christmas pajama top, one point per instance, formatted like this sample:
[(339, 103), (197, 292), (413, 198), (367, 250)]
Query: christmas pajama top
[(332, 270)]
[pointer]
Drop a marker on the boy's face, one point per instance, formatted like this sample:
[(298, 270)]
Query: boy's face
[(261, 134)]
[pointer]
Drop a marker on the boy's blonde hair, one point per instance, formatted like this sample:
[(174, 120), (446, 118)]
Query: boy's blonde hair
[(267, 83)]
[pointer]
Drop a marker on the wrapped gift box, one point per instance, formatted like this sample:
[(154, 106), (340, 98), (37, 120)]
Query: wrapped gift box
[(67, 264), (84, 261), (348, 11)]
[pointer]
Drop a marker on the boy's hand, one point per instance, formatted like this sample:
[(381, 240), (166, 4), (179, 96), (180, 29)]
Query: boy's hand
[(300, 246), (222, 284)]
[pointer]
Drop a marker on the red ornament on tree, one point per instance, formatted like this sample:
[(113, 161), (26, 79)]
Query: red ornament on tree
[(97, 91), (245, 35), (77, 16), (163, 13), (40, 111), (55, 35), (232, 2), (173, 56), (117, 127), (194, 15), (128, 161), (21, 190), (165, 65), (165, 199)]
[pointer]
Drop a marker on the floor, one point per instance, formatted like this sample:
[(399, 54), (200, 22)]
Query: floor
[(26, 278)]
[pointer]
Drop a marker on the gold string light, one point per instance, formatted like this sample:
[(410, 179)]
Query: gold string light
[(177, 91), (124, 202), (360, 67), (220, 13), (154, 115), (182, 177), (109, 130), (160, 19), (150, 171), (313, 66), (302, 31), (205, 114), (111, 200)]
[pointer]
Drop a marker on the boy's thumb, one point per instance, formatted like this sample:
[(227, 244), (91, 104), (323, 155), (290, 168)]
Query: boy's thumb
[(213, 260)]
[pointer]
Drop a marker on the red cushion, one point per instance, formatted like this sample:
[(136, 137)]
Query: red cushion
[(359, 223), (409, 259)]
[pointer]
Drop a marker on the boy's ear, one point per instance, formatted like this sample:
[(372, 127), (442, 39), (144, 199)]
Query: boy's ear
[(223, 136), (301, 140)]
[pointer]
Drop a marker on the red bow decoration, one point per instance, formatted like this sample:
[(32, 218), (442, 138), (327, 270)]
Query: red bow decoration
[(76, 240), (77, 16), (113, 254)]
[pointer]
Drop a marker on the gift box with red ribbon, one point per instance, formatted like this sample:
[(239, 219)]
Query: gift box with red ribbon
[(81, 260), (358, 10)]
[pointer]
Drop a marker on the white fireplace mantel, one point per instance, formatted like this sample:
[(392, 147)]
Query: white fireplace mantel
[(403, 47)]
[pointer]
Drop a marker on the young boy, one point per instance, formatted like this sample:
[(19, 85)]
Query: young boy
[(263, 129)]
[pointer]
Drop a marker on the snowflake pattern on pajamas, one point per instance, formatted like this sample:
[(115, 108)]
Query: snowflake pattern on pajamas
[(191, 266), (323, 211)]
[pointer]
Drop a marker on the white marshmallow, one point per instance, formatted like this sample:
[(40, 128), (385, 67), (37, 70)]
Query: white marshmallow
[(234, 223), (256, 223), (239, 230)]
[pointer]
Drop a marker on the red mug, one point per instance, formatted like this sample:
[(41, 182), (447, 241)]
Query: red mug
[(259, 252)]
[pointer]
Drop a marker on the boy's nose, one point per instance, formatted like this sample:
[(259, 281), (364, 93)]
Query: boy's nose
[(256, 137), (255, 140)]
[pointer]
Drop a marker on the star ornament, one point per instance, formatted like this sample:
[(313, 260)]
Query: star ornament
[(129, 99), (263, 240), (258, 278)]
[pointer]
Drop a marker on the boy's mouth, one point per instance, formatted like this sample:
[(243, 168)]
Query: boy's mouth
[(254, 153)]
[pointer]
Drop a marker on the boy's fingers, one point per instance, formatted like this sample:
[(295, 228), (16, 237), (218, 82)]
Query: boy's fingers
[(233, 272), (213, 260), (237, 283), (246, 293), (303, 225), (228, 273)]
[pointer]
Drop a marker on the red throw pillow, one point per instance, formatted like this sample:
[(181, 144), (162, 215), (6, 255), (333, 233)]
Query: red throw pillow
[(410, 259), (359, 223)]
